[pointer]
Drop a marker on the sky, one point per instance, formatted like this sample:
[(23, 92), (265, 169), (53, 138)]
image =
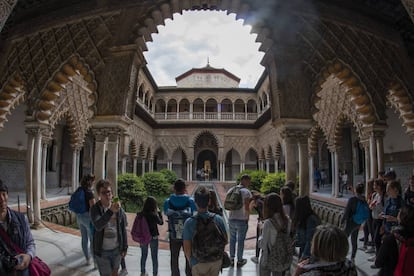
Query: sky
[(190, 39)]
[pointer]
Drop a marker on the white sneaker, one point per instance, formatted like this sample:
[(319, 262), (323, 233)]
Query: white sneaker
[(255, 259), (370, 250), (88, 261), (123, 272), (371, 259)]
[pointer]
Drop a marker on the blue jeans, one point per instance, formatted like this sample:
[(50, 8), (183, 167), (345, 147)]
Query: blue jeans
[(108, 262), (85, 226), (238, 230), (154, 255)]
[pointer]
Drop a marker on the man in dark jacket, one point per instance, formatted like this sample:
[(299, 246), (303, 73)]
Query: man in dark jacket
[(110, 241), (15, 226), (351, 224)]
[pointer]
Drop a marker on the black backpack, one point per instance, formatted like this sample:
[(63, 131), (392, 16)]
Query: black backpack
[(208, 240)]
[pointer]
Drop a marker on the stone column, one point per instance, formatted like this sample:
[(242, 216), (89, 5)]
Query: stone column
[(333, 173), (380, 152), (112, 160), (336, 166), (310, 177), (223, 171), (124, 164), (242, 165), (169, 165), (134, 165), (143, 167), (276, 165), (151, 165), (99, 160), (303, 168), (373, 155), (44, 167), (37, 168), (290, 161), (75, 168), (29, 175), (367, 163), (191, 170), (267, 165)]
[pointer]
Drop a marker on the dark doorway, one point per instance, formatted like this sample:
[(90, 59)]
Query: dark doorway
[(207, 160)]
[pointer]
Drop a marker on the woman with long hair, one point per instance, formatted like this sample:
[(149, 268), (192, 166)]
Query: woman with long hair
[(286, 195), (153, 216), (377, 206), (276, 222), (213, 205), (305, 221)]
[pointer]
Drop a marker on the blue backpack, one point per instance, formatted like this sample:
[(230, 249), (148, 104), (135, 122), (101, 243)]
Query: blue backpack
[(77, 203), (176, 218), (361, 213)]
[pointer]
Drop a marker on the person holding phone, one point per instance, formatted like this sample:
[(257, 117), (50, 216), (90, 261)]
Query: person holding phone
[(110, 238)]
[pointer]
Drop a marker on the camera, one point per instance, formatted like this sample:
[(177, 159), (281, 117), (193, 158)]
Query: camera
[(9, 262)]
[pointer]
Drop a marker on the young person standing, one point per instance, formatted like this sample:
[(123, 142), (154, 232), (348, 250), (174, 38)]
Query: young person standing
[(110, 241)]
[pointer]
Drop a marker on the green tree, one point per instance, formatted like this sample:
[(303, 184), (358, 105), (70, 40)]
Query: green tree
[(156, 184), (131, 189), (169, 175), (273, 182), (257, 178)]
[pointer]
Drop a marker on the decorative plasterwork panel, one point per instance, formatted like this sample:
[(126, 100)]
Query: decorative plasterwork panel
[(11, 95), (173, 143), (142, 138), (401, 100), (6, 7), (38, 55), (409, 6), (373, 58)]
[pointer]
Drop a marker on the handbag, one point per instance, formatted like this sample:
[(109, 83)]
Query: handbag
[(37, 267), (226, 260)]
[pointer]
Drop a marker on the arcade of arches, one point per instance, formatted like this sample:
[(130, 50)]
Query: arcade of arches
[(76, 95)]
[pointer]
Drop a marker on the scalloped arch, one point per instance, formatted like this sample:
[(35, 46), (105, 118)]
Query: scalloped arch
[(340, 94), (61, 97), (11, 95), (401, 100), (315, 133), (204, 132), (355, 89), (143, 30)]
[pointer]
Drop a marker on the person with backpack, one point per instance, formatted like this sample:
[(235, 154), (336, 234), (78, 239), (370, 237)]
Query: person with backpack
[(238, 203), (204, 237), (152, 214), (275, 241), (396, 254), (329, 249), (178, 207), (84, 199), (356, 213), (305, 221), (110, 241)]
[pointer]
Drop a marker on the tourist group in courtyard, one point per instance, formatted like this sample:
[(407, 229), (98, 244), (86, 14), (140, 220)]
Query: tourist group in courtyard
[(287, 228)]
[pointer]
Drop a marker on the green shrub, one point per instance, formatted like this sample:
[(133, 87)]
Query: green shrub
[(131, 189), (169, 175), (273, 182), (257, 178), (156, 184)]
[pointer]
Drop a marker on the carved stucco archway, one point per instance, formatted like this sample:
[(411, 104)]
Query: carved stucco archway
[(340, 94), (401, 100), (11, 95), (70, 94)]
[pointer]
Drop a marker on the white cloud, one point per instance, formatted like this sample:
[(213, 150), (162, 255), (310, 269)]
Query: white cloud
[(186, 41)]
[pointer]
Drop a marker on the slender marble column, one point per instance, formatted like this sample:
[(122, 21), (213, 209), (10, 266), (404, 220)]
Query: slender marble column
[(373, 156), (290, 159), (303, 169), (134, 165), (124, 164), (112, 166), (99, 162), (310, 176), (380, 152), (44, 164), (29, 176), (37, 167)]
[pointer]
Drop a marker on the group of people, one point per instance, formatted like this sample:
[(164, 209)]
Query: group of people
[(389, 220)]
